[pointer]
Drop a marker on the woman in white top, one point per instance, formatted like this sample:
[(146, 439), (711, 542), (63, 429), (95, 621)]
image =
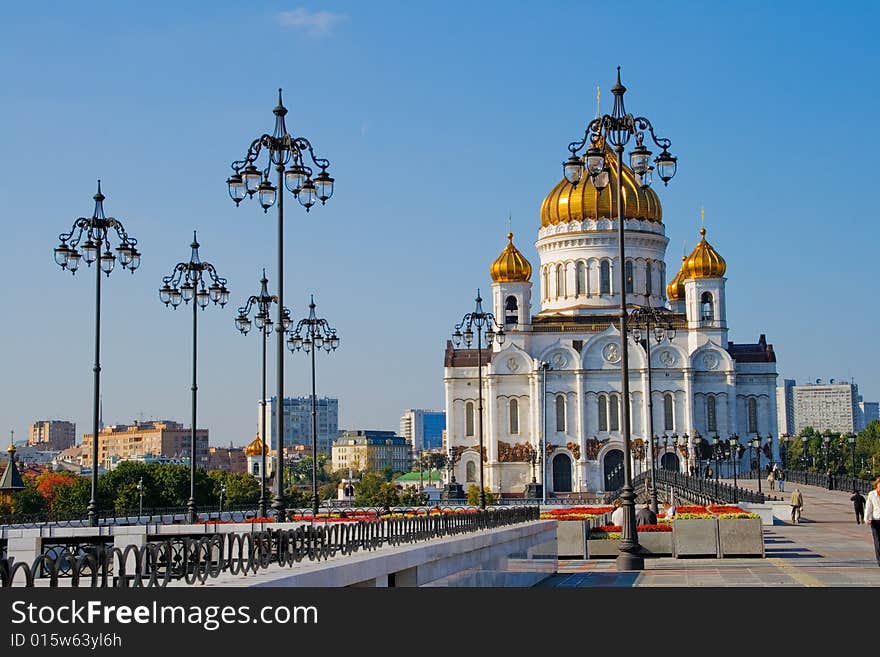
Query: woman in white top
[(617, 514), (872, 516)]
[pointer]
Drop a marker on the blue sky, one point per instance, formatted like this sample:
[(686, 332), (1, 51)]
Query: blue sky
[(439, 120)]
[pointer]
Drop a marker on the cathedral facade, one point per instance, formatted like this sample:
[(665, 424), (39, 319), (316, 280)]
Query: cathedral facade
[(553, 387)]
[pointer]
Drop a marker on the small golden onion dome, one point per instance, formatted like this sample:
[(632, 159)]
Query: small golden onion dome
[(578, 203), (511, 266), (255, 448), (675, 288), (704, 261)]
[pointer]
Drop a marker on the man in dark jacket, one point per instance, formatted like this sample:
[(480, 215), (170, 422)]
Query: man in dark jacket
[(858, 501), (645, 516)]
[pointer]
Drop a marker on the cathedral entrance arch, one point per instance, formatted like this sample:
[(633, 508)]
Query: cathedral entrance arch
[(561, 474), (613, 469), (669, 461)]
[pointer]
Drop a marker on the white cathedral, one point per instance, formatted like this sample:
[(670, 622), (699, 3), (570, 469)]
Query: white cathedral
[(554, 385)]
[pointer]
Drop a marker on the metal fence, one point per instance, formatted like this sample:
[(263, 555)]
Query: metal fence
[(193, 560)]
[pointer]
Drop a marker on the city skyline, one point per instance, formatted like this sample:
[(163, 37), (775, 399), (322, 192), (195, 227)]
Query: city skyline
[(484, 103)]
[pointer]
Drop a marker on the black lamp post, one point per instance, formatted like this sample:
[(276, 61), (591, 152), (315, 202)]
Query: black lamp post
[(804, 452), (187, 282), (222, 493), (97, 248), (658, 319), (310, 335), (698, 453), (261, 304), (826, 444), (480, 320), (716, 452), (615, 130), (783, 449), (284, 150), (851, 439), (733, 440), (140, 489), (755, 444)]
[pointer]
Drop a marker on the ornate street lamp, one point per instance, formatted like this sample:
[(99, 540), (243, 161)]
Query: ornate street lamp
[(222, 493), (261, 304), (716, 451), (755, 444), (733, 440), (615, 130), (480, 320), (187, 282), (783, 446), (698, 454), (657, 324), (804, 453), (140, 490), (282, 150), (851, 439), (98, 248), (310, 335)]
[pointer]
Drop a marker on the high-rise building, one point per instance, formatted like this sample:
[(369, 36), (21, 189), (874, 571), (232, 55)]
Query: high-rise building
[(423, 429), (832, 406), (52, 435), (868, 412), (161, 438), (785, 407), (298, 421)]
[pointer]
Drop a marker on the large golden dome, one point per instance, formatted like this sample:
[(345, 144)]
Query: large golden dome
[(255, 448), (704, 261), (511, 266), (578, 203), (675, 288)]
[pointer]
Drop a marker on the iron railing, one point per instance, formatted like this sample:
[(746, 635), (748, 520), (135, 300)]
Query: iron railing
[(194, 560)]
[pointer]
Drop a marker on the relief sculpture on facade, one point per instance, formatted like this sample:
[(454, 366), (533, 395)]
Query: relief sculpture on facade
[(517, 453), (575, 449)]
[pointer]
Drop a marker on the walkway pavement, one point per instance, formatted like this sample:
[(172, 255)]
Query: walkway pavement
[(827, 549)]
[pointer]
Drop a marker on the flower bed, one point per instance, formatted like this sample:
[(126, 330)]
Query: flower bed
[(575, 513), (611, 532)]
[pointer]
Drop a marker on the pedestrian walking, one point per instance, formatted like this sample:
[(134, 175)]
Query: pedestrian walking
[(780, 479), (858, 501), (771, 480), (872, 516), (797, 505)]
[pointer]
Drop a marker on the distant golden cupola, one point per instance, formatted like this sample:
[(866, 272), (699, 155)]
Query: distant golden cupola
[(704, 261), (255, 448), (580, 203), (511, 266), (675, 288)]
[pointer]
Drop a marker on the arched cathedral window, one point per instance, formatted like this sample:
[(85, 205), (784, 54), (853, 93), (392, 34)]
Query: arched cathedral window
[(560, 413), (614, 413), (711, 421), (560, 281), (668, 417), (605, 277), (510, 310), (469, 419), (580, 279), (546, 283), (649, 274), (470, 472), (753, 415), (628, 271), (602, 412), (514, 416)]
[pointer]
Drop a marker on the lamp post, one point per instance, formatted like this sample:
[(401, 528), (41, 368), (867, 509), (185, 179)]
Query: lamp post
[(545, 367), (479, 319), (851, 439), (826, 443), (804, 453), (755, 444), (698, 453), (140, 489), (247, 180), (615, 130), (716, 451), (783, 449), (222, 493), (261, 304), (660, 321), (96, 248), (310, 335), (187, 282), (733, 440)]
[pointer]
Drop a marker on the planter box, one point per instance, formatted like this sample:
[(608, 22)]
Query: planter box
[(656, 544), (603, 548), (740, 537), (571, 538), (695, 538)]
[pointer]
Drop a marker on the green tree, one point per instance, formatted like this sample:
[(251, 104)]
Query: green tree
[(72, 499), (28, 500), (473, 495), (368, 488), (411, 496), (387, 495)]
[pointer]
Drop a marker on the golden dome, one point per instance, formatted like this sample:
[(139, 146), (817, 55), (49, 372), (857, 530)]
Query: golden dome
[(569, 203), (255, 448), (704, 261), (675, 288), (511, 266)]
